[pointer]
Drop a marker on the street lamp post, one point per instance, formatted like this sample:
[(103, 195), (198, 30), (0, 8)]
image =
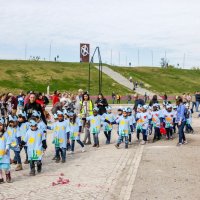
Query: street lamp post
[(100, 69), (50, 51)]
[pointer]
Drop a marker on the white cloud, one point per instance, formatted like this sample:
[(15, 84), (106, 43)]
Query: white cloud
[(120, 25)]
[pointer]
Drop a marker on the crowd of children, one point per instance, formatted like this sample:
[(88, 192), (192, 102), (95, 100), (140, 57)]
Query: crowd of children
[(16, 133)]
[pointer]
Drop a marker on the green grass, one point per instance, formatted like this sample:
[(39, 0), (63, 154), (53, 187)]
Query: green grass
[(171, 81), (32, 75)]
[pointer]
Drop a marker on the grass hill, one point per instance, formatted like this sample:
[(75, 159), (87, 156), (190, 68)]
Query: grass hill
[(171, 81), (33, 75)]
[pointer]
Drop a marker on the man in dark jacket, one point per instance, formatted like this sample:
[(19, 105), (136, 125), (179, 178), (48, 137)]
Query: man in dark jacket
[(31, 106), (138, 102)]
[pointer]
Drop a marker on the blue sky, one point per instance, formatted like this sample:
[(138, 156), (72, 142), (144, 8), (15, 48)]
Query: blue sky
[(123, 26)]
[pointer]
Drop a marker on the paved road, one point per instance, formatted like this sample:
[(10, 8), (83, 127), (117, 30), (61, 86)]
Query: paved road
[(169, 172), (156, 171), (93, 174)]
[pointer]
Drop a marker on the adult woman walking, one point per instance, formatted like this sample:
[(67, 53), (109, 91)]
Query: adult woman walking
[(86, 111), (101, 103), (181, 110), (31, 106)]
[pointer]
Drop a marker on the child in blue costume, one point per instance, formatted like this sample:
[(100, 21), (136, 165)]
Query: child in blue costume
[(150, 128), (163, 110), (53, 128), (15, 139), (4, 153), (124, 127), (66, 118), (36, 116), (12, 133), (36, 145), (144, 118), (75, 126), (60, 138), (132, 123), (107, 127), (22, 128), (188, 115), (169, 121), (138, 121), (119, 116), (156, 121), (175, 119), (95, 124)]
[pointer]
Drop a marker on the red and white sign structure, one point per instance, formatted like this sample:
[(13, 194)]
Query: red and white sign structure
[(84, 52)]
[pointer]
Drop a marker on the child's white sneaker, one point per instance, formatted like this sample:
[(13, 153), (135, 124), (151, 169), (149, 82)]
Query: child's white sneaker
[(143, 142), (179, 144), (185, 142), (71, 152), (83, 150)]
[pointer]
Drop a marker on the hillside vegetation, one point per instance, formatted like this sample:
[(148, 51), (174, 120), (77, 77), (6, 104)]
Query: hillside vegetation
[(32, 75), (171, 81)]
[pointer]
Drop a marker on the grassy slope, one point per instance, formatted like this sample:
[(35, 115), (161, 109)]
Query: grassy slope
[(32, 75), (171, 81)]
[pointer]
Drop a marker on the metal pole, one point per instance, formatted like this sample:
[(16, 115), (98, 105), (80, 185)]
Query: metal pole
[(138, 57), (99, 78), (101, 75), (89, 80), (50, 52), (89, 74), (25, 51), (184, 61), (111, 57), (119, 58), (152, 57), (100, 70)]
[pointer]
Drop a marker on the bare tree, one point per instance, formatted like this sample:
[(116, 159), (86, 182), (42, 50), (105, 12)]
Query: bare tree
[(164, 63)]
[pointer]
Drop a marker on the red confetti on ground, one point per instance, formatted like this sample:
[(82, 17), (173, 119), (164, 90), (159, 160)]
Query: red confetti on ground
[(66, 181), (54, 184), (61, 181), (61, 174), (79, 185)]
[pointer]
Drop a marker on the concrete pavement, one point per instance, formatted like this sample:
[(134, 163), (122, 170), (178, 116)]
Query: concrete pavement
[(158, 170)]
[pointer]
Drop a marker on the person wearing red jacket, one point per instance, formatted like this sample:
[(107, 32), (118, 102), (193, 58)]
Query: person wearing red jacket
[(41, 101), (55, 98)]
